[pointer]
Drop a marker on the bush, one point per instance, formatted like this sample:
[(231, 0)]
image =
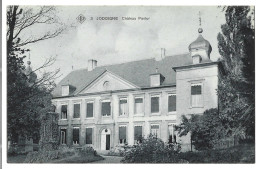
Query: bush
[(46, 156), (41, 156), (152, 150), (117, 151), (86, 150)]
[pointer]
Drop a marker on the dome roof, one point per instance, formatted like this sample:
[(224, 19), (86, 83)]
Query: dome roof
[(200, 43)]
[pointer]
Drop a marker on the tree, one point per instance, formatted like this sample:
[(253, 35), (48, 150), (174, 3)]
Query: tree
[(205, 129), (28, 96), (236, 91)]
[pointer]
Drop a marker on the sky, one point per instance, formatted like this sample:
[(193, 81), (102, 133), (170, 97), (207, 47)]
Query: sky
[(119, 41)]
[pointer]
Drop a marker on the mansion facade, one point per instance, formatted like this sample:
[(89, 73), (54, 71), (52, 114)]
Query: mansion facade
[(106, 106)]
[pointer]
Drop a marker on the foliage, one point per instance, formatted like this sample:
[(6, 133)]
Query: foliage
[(27, 96), (238, 154), (117, 151), (236, 89), (85, 150), (205, 129), (151, 150), (64, 154)]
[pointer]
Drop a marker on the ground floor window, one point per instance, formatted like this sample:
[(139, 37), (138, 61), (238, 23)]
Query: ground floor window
[(89, 135), (171, 134), (138, 134), (155, 130), (63, 136), (122, 134), (76, 135)]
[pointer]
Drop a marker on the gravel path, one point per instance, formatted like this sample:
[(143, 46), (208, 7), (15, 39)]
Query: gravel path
[(109, 159)]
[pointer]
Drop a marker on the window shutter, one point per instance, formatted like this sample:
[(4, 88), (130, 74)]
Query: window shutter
[(64, 108), (155, 104), (172, 103), (88, 135), (76, 135), (76, 111), (122, 132), (138, 132), (89, 109), (106, 108)]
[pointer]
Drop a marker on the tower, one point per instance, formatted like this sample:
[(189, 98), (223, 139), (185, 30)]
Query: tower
[(200, 49)]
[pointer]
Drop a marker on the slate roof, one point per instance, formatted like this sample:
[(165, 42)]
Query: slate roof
[(136, 72)]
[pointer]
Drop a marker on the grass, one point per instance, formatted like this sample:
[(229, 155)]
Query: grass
[(239, 154), (16, 158), (79, 159)]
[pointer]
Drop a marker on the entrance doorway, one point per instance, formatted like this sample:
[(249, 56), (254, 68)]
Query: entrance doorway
[(105, 139)]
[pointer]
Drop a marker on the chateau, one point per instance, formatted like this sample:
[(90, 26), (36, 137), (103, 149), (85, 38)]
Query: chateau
[(106, 106)]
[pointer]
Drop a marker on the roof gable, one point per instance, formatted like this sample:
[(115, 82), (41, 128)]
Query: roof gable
[(108, 81)]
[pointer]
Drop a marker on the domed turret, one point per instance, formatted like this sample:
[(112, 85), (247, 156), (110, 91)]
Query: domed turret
[(200, 48), (29, 73)]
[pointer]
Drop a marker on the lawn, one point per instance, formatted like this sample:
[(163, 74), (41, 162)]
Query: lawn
[(244, 153)]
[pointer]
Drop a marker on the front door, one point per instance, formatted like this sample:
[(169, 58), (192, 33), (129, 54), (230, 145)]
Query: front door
[(105, 139), (108, 142)]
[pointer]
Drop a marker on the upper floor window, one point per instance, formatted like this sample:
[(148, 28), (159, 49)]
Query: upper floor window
[(139, 105), (106, 108), (155, 130), (196, 95), (171, 103), (155, 104), (76, 111), (90, 109), (123, 107), (64, 112)]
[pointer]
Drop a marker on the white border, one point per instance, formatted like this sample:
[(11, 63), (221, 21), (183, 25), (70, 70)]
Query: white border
[(114, 2)]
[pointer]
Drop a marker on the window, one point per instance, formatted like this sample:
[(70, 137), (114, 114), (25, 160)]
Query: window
[(196, 95), (64, 112), (139, 105), (171, 102), (155, 104), (122, 134), (89, 135), (76, 111), (155, 130), (171, 134), (90, 109), (106, 108), (76, 135), (138, 134), (63, 136), (123, 107)]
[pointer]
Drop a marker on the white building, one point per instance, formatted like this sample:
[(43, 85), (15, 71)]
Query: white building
[(105, 106)]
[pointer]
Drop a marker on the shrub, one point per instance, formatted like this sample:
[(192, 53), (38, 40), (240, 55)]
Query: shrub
[(46, 156), (152, 150), (41, 156), (86, 150), (117, 151)]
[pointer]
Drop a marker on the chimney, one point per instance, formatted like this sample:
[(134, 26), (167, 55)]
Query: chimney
[(160, 56), (92, 64)]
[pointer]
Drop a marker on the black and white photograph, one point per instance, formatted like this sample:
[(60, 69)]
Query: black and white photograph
[(128, 84)]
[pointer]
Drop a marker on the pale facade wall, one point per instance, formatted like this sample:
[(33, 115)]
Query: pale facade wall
[(114, 121), (208, 77)]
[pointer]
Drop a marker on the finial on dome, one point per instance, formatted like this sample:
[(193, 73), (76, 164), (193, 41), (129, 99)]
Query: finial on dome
[(200, 30), (29, 62)]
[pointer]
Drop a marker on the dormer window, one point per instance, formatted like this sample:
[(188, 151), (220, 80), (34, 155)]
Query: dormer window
[(156, 79), (67, 90)]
